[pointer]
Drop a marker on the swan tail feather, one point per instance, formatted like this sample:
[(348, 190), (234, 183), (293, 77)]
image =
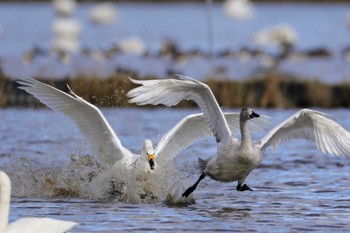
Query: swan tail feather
[(202, 164)]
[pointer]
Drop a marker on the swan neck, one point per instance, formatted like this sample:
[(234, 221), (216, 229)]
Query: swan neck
[(5, 194), (245, 134)]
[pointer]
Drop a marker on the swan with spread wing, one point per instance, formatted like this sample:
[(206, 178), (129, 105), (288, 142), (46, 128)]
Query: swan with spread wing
[(148, 168), (236, 158)]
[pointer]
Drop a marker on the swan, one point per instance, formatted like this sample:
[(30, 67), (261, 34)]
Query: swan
[(236, 158), (283, 36), (279, 35), (153, 163), (64, 8), (26, 225), (67, 27), (238, 9), (132, 45), (103, 14), (66, 33)]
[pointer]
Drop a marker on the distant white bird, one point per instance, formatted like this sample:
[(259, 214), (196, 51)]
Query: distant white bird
[(238, 9), (64, 44), (64, 7), (236, 158), (153, 164), (66, 27), (283, 36), (26, 225), (66, 35), (104, 14), (132, 45), (279, 35)]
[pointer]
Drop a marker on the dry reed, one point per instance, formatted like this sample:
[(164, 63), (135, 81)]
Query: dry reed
[(268, 91)]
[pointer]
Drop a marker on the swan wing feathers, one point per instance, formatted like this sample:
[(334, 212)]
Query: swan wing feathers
[(170, 92), (38, 225), (256, 124), (193, 128), (86, 116), (316, 126), (189, 130)]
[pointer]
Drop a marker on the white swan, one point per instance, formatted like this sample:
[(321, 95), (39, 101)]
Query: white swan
[(64, 7), (238, 9), (26, 225), (132, 45), (103, 14), (66, 33), (153, 163), (235, 158), (280, 35)]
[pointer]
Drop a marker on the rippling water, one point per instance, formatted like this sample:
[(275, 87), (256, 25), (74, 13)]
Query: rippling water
[(296, 188)]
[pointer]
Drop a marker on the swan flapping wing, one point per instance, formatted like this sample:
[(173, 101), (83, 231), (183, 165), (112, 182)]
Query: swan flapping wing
[(170, 92), (329, 136), (189, 130), (193, 128), (87, 117)]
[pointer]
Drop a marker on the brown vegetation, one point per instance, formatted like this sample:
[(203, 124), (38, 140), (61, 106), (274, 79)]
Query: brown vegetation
[(268, 91)]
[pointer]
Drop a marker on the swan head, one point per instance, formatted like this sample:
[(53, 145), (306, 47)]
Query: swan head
[(148, 151), (247, 114)]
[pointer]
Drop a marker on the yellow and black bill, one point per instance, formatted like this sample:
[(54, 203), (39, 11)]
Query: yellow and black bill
[(151, 161)]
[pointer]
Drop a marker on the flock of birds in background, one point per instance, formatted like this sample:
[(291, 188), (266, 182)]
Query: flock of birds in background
[(67, 30)]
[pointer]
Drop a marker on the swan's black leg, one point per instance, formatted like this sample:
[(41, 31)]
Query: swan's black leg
[(243, 188), (193, 187)]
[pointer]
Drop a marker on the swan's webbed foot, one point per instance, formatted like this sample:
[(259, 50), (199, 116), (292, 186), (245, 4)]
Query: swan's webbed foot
[(193, 187), (243, 187)]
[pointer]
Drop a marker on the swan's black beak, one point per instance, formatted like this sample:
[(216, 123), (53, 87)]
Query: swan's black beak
[(254, 114), (151, 161)]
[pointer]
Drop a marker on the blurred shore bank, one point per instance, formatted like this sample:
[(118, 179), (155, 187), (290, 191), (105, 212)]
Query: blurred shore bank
[(269, 90)]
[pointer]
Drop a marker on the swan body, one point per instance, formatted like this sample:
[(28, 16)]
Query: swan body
[(64, 7), (132, 45), (103, 14), (66, 35), (280, 34), (66, 27), (236, 158), (238, 9), (148, 168), (26, 225)]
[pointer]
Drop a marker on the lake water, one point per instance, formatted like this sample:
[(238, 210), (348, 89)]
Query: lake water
[(318, 25), (296, 188)]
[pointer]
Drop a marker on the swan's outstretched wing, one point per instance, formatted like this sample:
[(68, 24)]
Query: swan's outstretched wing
[(87, 117), (171, 91), (193, 128), (329, 136)]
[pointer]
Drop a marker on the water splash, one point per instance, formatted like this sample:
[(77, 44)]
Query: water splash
[(84, 177)]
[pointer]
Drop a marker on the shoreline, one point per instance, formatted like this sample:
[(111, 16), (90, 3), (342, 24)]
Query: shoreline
[(269, 90)]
